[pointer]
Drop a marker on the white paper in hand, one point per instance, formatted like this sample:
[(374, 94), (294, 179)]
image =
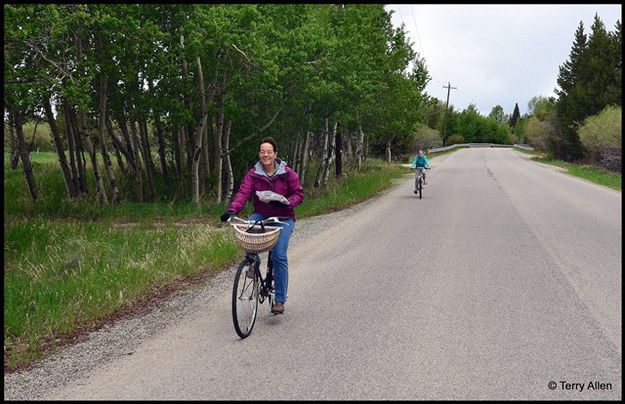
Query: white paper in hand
[(268, 196)]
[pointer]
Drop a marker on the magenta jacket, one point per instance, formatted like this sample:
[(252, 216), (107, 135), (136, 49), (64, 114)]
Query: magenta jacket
[(284, 182)]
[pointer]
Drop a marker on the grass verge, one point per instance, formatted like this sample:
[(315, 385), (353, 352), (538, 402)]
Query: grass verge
[(588, 172)]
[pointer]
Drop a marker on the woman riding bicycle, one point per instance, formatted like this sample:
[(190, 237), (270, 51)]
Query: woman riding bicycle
[(271, 174)]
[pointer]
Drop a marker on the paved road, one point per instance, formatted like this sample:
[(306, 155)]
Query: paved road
[(506, 276)]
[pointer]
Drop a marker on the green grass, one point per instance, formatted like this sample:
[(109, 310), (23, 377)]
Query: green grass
[(588, 172), (61, 276), (68, 266), (375, 177)]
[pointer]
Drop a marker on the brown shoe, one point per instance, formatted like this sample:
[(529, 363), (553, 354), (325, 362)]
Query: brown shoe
[(277, 308)]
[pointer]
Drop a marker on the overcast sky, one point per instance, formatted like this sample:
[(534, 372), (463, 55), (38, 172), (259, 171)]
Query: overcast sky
[(496, 54)]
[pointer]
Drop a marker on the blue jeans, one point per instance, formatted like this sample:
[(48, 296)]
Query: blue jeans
[(279, 256)]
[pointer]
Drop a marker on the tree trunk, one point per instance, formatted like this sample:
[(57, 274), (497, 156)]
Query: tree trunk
[(196, 160), (339, 150), (187, 103), (81, 162), (330, 159), (159, 137), (228, 161), (203, 172), (60, 150), (348, 156), (295, 160), (119, 147), (120, 160), (24, 154), (162, 156), (105, 155), (130, 152), (182, 145), (84, 130), (205, 169), (387, 152), (177, 152), (150, 171), (13, 148), (321, 168), (137, 160), (304, 159), (71, 146), (219, 158), (360, 147)]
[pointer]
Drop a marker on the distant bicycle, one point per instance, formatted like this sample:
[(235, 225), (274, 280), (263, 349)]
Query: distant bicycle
[(419, 181), (250, 287)]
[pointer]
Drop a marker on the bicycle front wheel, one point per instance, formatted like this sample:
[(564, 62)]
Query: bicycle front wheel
[(420, 188), (245, 298)]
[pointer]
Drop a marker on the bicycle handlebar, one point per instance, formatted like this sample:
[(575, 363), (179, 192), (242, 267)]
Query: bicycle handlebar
[(269, 220)]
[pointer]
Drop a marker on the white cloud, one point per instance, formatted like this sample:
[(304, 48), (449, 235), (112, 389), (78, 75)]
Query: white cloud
[(496, 54)]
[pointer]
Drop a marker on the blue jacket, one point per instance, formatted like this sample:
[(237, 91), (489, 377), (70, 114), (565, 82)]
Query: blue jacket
[(420, 162)]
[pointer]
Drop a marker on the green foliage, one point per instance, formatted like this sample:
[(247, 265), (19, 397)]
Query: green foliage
[(498, 115), (301, 63), (515, 116), (541, 107), (589, 81), (537, 132), (426, 137), (601, 135), (475, 128), (455, 139)]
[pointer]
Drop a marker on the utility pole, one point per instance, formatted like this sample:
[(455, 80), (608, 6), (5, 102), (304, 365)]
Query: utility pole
[(449, 88)]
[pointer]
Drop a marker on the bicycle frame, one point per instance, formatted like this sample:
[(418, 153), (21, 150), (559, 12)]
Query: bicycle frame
[(419, 180), (420, 171), (265, 282)]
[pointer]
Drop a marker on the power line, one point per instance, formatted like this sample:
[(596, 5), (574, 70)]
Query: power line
[(417, 30)]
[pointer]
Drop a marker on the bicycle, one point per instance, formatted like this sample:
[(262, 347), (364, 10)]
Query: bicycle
[(419, 181), (250, 287)]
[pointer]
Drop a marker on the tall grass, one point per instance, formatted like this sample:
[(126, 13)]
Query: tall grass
[(63, 276)]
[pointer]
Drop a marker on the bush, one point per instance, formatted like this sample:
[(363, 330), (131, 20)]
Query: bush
[(455, 139), (537, 132), (426, 137), (601, 136)]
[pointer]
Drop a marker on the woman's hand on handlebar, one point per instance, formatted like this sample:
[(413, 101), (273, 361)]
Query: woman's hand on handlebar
[(226, 216)]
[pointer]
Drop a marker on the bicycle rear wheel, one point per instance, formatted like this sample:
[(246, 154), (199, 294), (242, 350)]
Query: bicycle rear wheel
[(420, 188), (245, 299)]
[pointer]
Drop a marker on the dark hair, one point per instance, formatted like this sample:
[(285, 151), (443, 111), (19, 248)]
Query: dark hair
[(269, 140)]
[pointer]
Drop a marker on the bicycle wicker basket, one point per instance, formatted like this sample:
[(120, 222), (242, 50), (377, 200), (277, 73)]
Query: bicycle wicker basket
[(254, 239)]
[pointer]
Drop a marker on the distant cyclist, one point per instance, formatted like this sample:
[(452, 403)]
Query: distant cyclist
[(421, 161)]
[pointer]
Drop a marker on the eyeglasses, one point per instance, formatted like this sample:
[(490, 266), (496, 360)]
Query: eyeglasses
[(266, 153)]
